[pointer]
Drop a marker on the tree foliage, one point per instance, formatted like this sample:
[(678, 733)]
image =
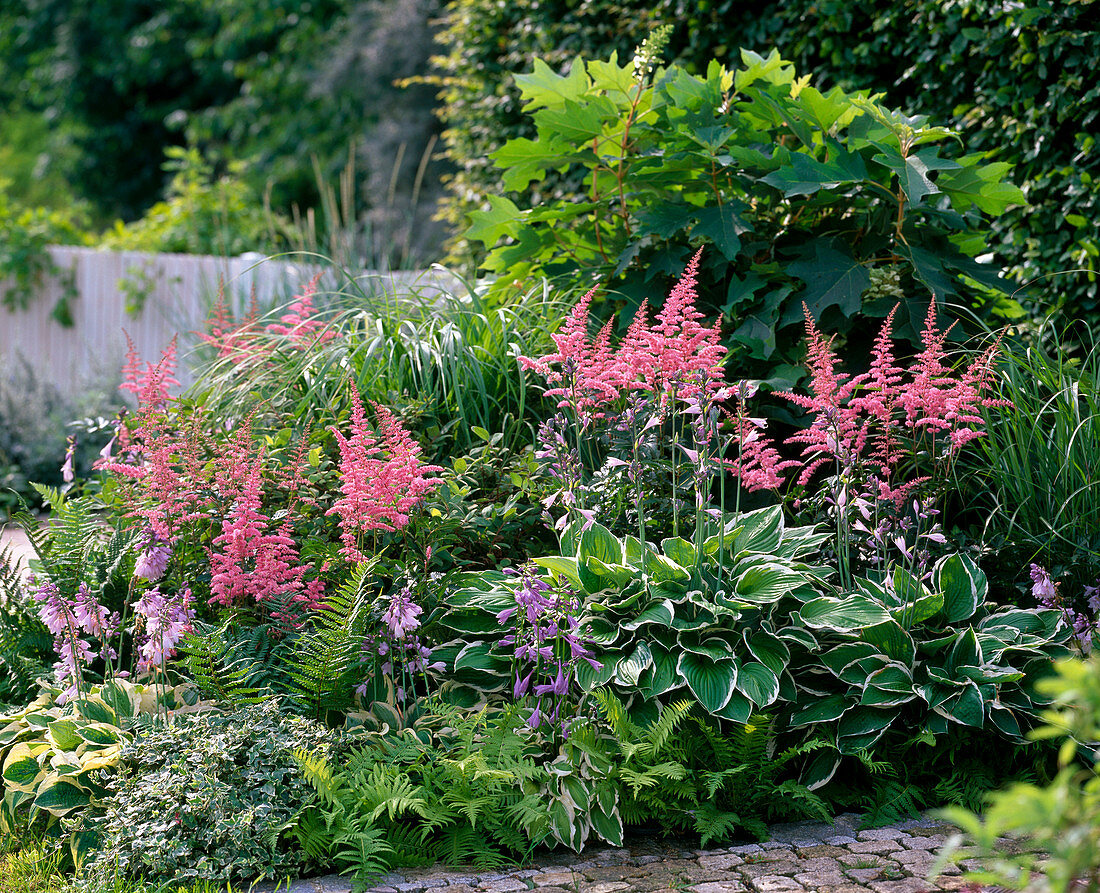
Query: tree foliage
[(1014, 79)]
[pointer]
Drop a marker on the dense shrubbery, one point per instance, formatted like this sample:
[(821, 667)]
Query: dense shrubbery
[(1015, 81), (678, 659), (831, 202)]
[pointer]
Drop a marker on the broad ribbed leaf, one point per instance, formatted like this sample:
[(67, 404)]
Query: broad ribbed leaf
[(892, 640), (963, 586), (711, 681), (60, 796), (738, 708), (889, 686), (820, 710), (661, 676), (630, 668), (760, 531), (966, 707), (860, 727), (836, 659), (657, 614), (597, 541), (768, 649), (679, 550), (965, 653), (561, 565), (758, 683), (766, 583), (96, 710), (21, 769), (62, 733), (712, 646), (852, 612)]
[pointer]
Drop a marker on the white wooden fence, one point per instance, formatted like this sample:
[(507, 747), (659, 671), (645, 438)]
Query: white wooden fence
[(180, 291)]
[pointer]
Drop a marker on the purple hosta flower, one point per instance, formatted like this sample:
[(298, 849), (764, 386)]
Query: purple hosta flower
[(152, 560), (70, 619), (67, 471), (1092, 599), (1043, 588), (404, 655), (545, 645), (166, 620), (401, 614)]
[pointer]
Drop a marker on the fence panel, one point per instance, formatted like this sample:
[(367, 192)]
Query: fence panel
[(175, 292)]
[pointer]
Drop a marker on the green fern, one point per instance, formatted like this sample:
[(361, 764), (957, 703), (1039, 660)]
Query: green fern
[(321, 664), (231, 665)]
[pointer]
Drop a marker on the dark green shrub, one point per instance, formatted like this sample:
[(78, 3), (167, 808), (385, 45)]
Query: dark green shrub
[(1015, 80), (209, 797), (825, 200)]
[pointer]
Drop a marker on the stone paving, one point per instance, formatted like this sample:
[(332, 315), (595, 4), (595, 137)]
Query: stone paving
[(802, 857)]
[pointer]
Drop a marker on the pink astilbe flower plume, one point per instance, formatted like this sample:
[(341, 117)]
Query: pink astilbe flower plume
[(382, 477), (148, 382), (683, 352), (300, 324)]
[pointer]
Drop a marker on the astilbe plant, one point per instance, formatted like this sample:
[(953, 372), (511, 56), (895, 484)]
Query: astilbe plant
[(653, 399), (888, 439), (382, 477)]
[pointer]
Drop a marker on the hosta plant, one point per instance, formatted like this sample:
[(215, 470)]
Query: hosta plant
[(56, 758)]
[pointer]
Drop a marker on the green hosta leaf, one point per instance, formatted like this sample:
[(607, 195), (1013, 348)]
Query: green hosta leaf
[(679, 550), (798, 636), (99, 733), (841, 656), (717, 541), (563, 566), (21, 766), (963, 586), (860, 727), (588, 677), (1005, 721), (888, 687), (661, 676), (966, 652), (596, 541), (918, 612), (965, 707), (60, 796), (711, 681), (600, 632), (614, 576), (768, 649), (662, 569), (121, 698), (630, 668), (97, 710), (758, 683), (760, 531), (852, 612), (712, 647), (738, 708), (607, 824), (765, 584), (62, 734), (820, 710), (892, 640), (657, 614)]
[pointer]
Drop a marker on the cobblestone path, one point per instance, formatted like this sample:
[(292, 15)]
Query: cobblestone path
[(801, 857)]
